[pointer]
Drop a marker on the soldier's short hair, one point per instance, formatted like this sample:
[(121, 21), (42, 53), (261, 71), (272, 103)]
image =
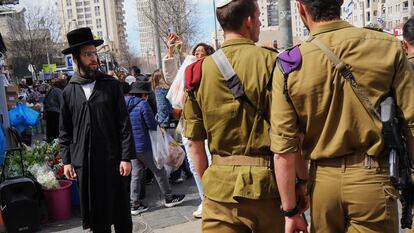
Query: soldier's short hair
[(323, 10), (408, 31), (232, 15)]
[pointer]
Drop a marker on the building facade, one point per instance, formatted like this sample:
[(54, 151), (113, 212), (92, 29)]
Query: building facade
[(104, 17), (146, 29), (8, 12), (390, 15), (397, 12)]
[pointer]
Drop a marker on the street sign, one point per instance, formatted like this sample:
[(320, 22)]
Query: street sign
[(47, 69), (69, 61), (30, 68)]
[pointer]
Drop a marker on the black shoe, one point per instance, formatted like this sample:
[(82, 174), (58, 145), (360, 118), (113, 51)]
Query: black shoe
[(173, 200), (138, 208), (177, 181)]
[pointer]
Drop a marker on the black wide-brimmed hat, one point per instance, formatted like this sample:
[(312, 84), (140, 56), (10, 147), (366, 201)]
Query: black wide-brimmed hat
[(80, 37), (140, 87)]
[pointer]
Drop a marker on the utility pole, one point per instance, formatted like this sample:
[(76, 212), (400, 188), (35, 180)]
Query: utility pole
[(4, 114), (363, 13), (157, 34), (215, 25), (285, 24)]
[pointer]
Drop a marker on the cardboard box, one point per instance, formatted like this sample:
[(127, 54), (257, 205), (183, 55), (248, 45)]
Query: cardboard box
[(11, 98), (12, 89)]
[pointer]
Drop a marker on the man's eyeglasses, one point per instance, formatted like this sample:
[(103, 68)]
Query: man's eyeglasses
[(90, 54)]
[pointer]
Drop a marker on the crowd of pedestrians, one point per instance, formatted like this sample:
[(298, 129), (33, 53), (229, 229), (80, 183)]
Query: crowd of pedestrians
[(266, 134)]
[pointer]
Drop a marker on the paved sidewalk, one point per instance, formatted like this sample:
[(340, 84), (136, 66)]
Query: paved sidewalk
[(157, 219)]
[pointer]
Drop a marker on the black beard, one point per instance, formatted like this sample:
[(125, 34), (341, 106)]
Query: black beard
[(89, 73)]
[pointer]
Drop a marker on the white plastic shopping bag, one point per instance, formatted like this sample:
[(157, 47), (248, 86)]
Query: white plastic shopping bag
[(176, 93), (159, 146), (176, 154)]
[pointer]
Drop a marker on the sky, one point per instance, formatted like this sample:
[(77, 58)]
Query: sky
[(205, 9), (206, 18)]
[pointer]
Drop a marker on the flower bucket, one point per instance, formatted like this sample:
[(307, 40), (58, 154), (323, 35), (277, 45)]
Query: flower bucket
[(58, 201)]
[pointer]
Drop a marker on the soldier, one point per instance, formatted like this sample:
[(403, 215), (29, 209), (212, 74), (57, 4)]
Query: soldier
[(324, 118), (408, 43), (240, 187)]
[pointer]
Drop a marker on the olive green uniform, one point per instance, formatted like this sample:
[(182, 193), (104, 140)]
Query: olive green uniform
[(350, 187), (239, 198), (411, 59)]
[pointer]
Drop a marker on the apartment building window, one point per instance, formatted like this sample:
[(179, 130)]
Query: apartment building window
[(88, 15), (81, 23), (368, 3), (390, 10), (70, 14), (86, 3), (368, 16), (68, 2), (100, 34), (78, 3), (405, 6), (88, 9), (98, 23), (397, 8), (79, 10), (88, 22), (81, 16), (96, 1), (375, 13), (97, 11)]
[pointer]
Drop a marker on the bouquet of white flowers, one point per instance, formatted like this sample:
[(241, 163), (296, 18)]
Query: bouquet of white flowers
[(44, 175)]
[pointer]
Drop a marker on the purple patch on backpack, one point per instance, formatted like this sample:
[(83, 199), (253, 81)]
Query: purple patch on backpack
[(290, 59)]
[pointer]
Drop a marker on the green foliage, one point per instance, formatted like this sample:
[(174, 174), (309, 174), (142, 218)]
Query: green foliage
[(39, 153)]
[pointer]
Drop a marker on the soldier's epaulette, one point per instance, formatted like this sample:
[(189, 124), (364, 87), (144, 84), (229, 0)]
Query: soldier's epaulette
[(290, 59), (193, 75)]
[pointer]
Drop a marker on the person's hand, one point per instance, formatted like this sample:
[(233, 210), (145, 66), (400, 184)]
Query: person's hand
[(125, 168), (171, 40), (69, 171), (295, 224), (303, 197), (163, 131)]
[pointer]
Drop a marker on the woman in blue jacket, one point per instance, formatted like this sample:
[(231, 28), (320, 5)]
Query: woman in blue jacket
[(142, 120), (164, 108)]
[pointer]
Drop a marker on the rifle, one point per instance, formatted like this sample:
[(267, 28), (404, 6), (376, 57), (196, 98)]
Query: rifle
[(400, 164)]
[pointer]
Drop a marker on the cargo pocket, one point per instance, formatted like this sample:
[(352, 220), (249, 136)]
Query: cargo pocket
[(391, 205)]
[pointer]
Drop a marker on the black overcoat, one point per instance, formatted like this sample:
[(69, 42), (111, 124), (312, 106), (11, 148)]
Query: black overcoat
[(95, 136)]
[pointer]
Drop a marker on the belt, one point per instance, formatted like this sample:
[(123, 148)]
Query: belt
[(243, 160), (355, 160)]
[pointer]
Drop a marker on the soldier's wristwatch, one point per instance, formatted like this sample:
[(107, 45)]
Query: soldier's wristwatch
[(301, 181), (289, 213)]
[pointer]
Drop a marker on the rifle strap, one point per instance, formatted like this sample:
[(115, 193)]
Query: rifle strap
[(347, 75), (233, 81)]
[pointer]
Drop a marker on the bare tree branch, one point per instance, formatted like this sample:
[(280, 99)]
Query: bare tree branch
[(180, 15), (35, 36)]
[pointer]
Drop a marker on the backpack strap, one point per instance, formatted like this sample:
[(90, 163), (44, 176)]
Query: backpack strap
[(132, 108), (233, 81)]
